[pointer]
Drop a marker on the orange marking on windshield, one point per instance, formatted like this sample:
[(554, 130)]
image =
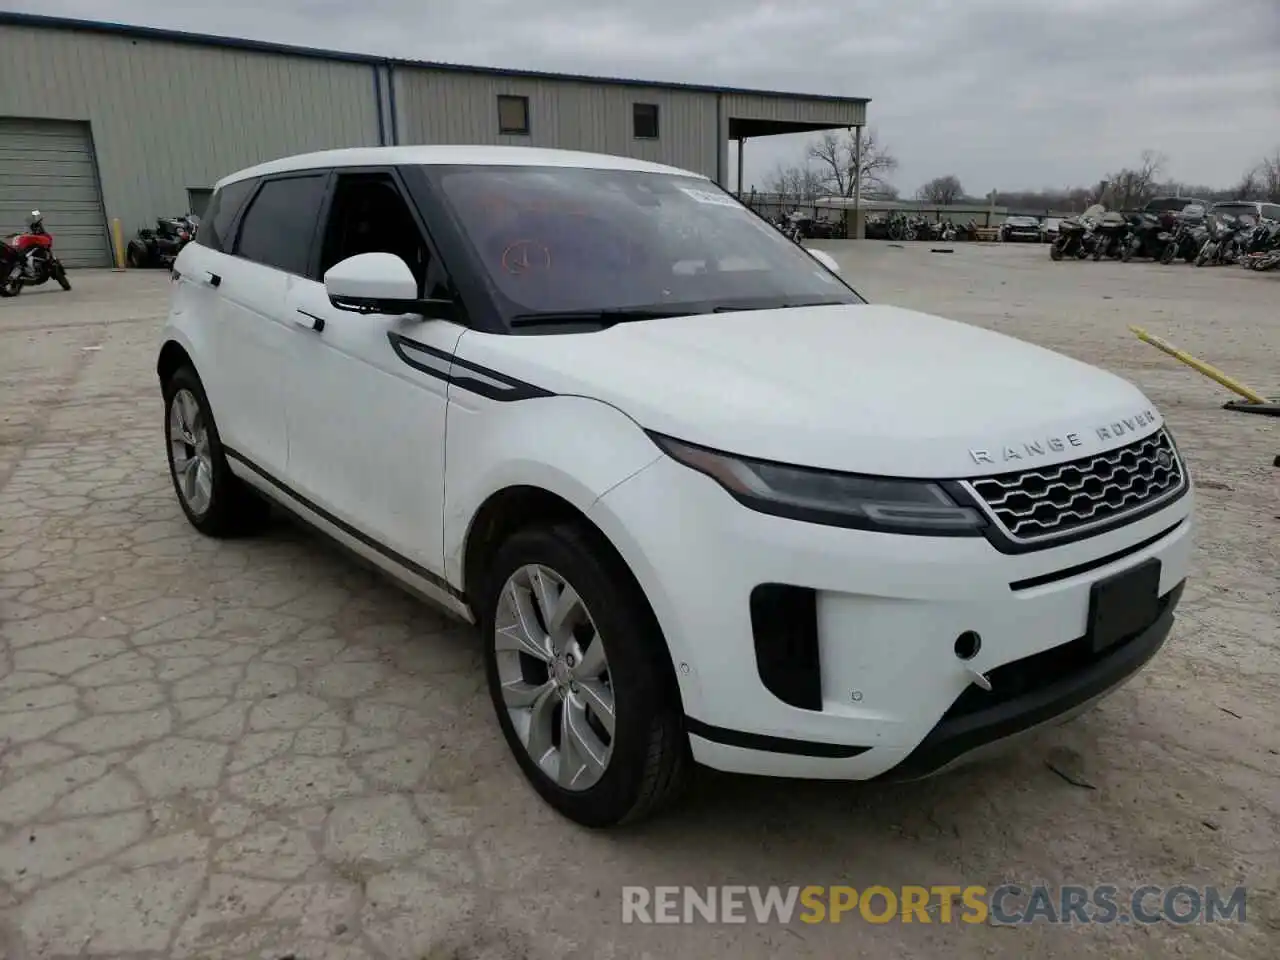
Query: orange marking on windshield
[(525, 257)]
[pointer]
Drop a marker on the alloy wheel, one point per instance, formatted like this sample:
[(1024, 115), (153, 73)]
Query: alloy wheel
[(189, 451), (554, 677)]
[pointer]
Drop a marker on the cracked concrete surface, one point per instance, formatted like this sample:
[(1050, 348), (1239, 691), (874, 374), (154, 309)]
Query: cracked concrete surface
[(258, 749)]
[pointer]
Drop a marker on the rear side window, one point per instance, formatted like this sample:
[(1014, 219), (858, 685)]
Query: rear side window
[(1271, 211), (280, 223), (215, 225)]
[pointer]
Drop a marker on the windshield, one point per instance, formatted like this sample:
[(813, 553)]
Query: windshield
[(568, 240)]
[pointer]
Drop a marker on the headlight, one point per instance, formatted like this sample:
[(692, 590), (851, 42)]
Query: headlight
[(836, 499)]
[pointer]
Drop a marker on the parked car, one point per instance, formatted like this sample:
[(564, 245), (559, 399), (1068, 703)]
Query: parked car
[(1020, 228), (599, 408), (1171, 205), (1049, 229), (1253, 209)]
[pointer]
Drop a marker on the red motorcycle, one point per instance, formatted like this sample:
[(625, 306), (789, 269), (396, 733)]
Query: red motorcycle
[(27, 260)]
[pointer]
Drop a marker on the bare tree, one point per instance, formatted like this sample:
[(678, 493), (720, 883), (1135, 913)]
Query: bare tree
[(1132, 187), (795, 184), (1249, 187), (941, 190), (1268, 174), (838, 162)]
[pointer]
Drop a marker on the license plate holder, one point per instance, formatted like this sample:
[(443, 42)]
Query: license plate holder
[(1123, 604)]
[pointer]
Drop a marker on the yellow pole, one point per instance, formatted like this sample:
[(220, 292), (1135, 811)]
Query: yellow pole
[(1213, 373), (117, 234)]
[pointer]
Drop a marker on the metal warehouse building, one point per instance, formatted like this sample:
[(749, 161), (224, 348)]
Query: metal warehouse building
[(101, 121)]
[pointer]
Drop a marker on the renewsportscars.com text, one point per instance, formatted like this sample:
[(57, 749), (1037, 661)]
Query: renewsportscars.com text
[(1009, 903)]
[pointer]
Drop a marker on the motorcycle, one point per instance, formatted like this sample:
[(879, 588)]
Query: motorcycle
[(1263, 249), (1110, 235), (901, 228), (160, 247), (27, 260), (1147, 237), (1224, 238), (1187, 236), (1072, 239), (948, 232)]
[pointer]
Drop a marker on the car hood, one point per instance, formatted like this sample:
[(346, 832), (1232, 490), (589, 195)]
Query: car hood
[(862, 388)]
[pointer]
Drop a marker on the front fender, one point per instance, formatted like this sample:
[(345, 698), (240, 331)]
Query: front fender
[(574, 447)]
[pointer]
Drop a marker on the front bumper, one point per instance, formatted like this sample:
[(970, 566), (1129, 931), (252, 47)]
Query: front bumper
[(894, 698)]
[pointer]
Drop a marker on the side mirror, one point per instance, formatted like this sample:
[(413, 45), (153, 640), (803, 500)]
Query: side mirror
[(824, 258), (379, 283)]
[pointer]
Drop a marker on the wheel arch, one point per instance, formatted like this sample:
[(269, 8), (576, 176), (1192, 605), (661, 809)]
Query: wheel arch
[(173, 357), (521, 506)]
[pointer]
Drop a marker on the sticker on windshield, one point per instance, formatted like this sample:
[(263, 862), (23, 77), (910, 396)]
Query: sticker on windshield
[(710, 196)]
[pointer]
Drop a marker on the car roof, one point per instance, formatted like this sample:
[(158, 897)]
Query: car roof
[(452, 154)]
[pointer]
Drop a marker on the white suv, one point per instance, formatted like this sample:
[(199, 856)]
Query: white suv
[(703, 500)]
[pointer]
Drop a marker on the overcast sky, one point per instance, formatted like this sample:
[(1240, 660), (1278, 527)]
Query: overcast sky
[(1003, 93)]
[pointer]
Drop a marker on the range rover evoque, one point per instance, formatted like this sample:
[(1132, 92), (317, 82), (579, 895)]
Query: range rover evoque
[(703, 500)]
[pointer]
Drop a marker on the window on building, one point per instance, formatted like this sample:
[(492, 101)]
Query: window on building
[(279, 225), (513, 115), (644, 121)]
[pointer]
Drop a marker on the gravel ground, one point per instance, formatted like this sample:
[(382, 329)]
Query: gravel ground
[(259, 750)]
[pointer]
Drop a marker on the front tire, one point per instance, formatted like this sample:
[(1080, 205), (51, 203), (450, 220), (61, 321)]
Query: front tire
[(579, 677), (216, 501), (1055, 252), (60, 274)]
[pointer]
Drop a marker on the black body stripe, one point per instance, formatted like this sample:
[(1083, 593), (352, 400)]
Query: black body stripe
[(412, 567), (767, 744), (464, 374)]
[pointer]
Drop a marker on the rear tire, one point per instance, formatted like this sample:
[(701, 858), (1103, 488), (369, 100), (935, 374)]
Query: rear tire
[(215, 500), (1166, 255), (643, 765)]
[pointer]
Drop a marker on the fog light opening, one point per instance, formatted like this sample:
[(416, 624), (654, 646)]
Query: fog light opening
[(967, 645)]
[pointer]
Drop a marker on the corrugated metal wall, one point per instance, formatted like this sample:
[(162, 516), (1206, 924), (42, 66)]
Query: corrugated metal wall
[(439, 107), (167, 117), (844, 113)]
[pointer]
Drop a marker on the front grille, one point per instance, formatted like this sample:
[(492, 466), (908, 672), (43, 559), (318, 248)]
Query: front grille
[(1068, 498)]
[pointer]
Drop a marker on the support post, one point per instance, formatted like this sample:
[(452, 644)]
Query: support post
[(117, 237), (741, 141), (859, 232)]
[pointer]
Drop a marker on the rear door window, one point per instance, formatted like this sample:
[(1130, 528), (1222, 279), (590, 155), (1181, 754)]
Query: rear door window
[(280, 225)]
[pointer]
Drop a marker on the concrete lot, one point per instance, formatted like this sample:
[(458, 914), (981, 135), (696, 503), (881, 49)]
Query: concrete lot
[(257, 749)]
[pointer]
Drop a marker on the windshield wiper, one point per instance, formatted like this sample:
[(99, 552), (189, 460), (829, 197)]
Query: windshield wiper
[(733, 308), (607, 317)]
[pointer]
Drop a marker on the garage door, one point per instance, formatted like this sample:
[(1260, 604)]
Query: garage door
[(47, 165)]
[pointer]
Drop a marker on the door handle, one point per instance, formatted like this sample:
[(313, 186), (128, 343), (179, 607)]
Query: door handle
[(214, 279), (308, 320)]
